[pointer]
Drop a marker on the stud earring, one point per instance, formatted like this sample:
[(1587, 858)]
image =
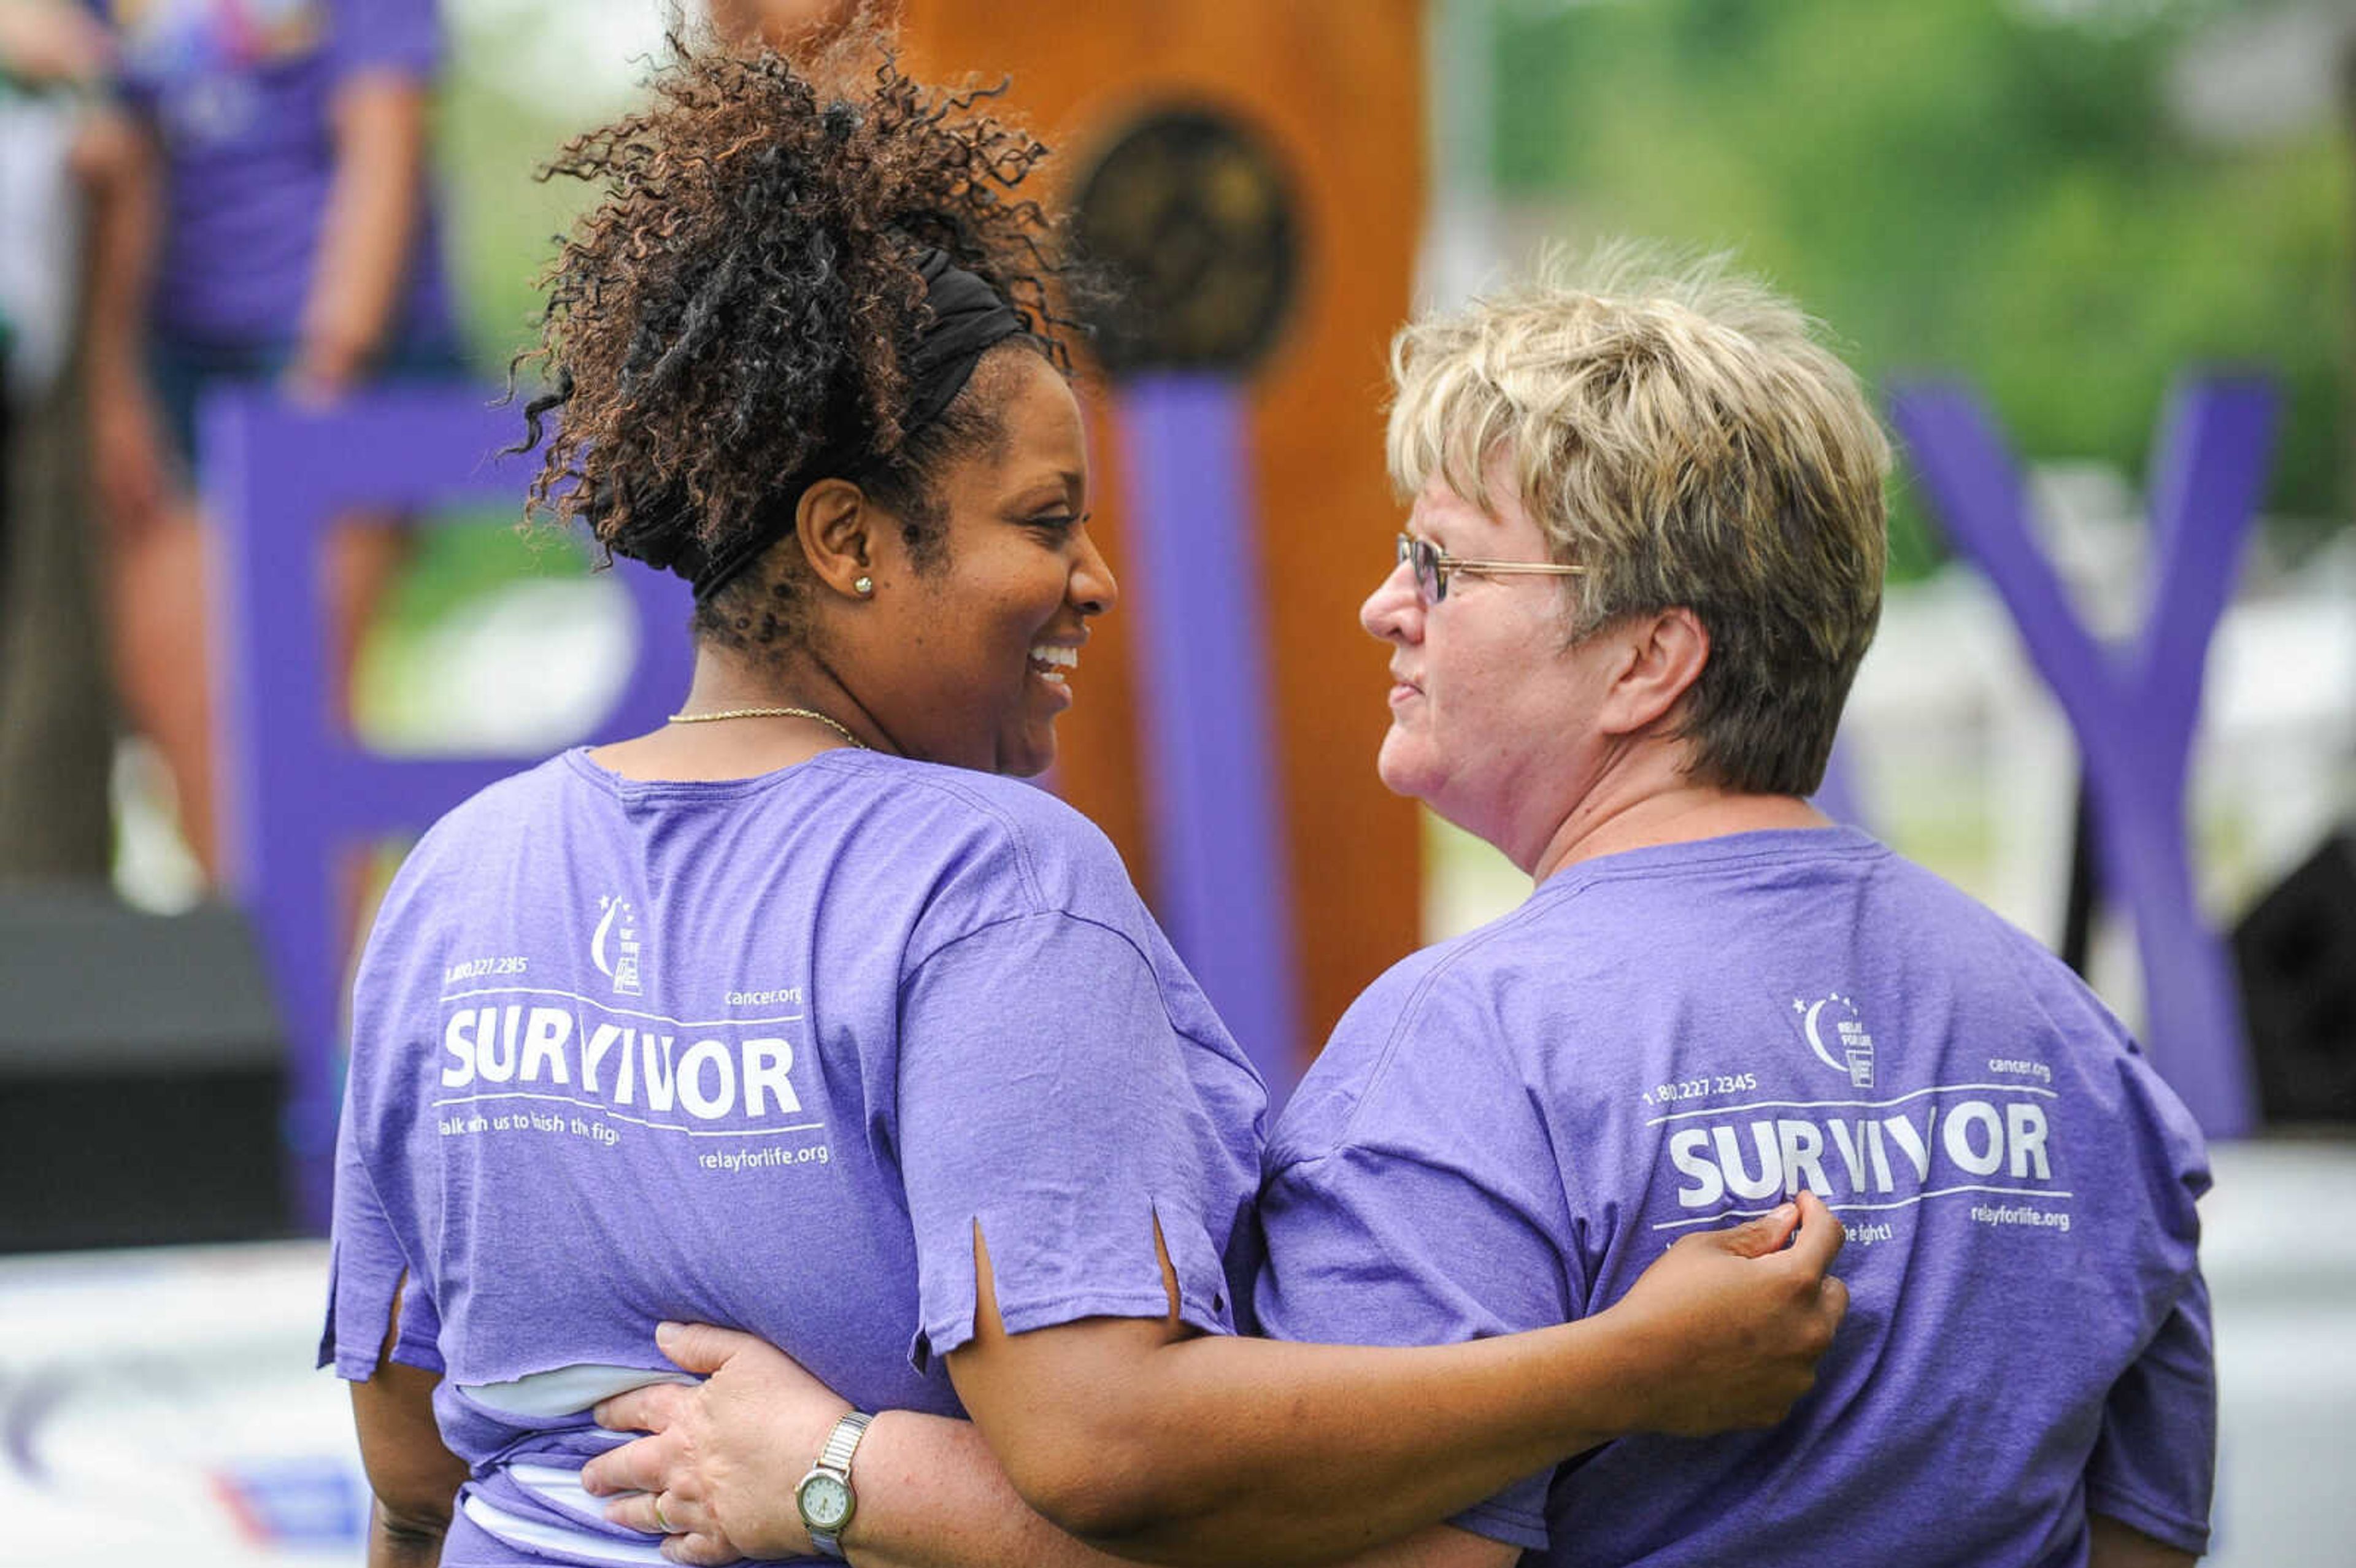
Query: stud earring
[(862, 586)]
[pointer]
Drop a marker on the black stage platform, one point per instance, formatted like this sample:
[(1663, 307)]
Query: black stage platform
[(141, 1075)]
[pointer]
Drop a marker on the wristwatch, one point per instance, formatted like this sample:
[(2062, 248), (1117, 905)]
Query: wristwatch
[(824, 1496)]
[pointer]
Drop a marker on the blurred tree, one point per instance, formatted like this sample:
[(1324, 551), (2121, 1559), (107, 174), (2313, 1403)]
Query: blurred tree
[(1998, 190), (524, 76)]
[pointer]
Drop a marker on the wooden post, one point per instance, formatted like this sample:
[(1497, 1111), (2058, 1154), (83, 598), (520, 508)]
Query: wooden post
[(1334, 90)]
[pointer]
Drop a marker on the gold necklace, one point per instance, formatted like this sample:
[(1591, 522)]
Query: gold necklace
[(769, 713)]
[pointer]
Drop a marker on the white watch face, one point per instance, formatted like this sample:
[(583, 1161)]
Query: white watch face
[(825, 1502)]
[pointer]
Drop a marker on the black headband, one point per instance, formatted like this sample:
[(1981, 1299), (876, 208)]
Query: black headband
[(968, 318)]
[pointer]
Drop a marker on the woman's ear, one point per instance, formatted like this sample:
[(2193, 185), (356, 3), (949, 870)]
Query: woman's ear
[(833, 521), (1665, 655)]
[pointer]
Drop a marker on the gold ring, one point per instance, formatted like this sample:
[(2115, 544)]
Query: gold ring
[(663, 1523)]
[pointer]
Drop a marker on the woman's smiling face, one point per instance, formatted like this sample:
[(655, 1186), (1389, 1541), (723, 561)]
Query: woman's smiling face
[(976, 647)]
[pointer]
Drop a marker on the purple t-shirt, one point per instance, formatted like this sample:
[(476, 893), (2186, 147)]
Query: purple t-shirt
[(1508, 1127), (239, 93), (764, 1053)]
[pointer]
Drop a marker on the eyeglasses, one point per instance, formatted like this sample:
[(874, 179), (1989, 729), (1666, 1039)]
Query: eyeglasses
[(1432, 567)]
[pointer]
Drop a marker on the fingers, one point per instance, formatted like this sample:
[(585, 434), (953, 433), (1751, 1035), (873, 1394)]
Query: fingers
[(1757, 1237), (1836, 1298), (700, 1347), (691, 1536), (1821, 1236), (637, 1510), (663, 1513), (700, 1549), (652, 1408), (640, 1466)]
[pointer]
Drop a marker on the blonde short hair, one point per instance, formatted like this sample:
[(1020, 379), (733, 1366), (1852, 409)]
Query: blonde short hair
[(1677, 431)]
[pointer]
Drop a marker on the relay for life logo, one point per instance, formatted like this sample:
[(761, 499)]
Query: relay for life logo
[(1836, 1016), (614, 949)]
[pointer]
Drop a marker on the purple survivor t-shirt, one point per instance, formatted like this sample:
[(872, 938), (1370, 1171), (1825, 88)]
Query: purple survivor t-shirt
[(240, 94), (1508, 1127), (764, 1053)]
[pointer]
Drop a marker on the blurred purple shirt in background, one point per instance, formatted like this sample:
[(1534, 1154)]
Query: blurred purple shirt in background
[(239, 93)]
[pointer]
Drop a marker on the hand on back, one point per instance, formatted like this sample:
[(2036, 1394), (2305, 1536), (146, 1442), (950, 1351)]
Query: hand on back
[(1730, 1324), (722, 1457)]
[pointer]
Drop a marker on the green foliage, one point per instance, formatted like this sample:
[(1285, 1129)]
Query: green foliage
[(491, 137), (491, 134), (1960, 187), (458, 557)]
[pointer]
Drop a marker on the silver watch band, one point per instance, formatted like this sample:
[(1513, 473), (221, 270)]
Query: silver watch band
[(835, 1456), (843, 1441)]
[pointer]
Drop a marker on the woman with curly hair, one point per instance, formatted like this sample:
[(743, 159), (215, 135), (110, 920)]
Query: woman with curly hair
[(800, 1015)]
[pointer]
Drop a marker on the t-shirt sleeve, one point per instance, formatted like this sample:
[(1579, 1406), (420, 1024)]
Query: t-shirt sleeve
[(2155, 1463), (403, 36), (1044, 1099), (1392, 1244), (373, 1243), (366, 1267), (2155, 1460)]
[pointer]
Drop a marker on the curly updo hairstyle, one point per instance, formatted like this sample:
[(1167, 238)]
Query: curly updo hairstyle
[(744, 295)]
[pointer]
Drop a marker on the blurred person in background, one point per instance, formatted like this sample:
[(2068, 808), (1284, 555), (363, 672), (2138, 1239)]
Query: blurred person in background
[(947, 1117), (56, 714), (268, 223), (52, 55), (1644, 562), (51, 42)]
